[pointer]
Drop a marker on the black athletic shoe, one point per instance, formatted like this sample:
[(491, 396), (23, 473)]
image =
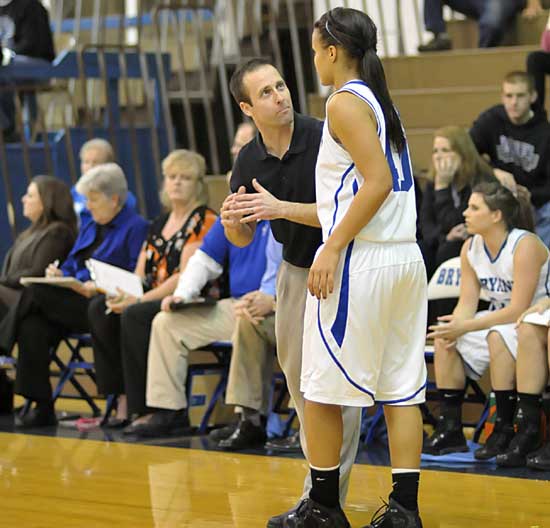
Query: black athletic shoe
[(447, 438), (246, 436), (523, 443), (496, 444), (440, 42), (311, 514), (277, 520), (393, 515), (540, 459)]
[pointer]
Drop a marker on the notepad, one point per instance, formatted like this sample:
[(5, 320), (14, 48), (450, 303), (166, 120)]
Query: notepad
[(110, 278), (61, 282)]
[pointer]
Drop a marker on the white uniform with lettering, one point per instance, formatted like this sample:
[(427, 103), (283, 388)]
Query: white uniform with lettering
[(496, 278), (365, 342)]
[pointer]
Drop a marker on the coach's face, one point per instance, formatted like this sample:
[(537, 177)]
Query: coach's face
[(270, 102)]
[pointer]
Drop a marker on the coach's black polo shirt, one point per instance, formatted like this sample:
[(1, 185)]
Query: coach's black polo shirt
[(291, 179)]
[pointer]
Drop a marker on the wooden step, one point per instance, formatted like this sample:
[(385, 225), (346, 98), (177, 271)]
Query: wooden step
[(435, 107), (464, 68), (523, 32)]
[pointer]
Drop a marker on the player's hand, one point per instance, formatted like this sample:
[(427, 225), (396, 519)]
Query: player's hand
[(229, 212), (539, 307), (320, 281), (261, 205), (449, 328)]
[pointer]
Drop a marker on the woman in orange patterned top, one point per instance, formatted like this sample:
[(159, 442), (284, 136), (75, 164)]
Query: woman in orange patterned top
[(120, 326)]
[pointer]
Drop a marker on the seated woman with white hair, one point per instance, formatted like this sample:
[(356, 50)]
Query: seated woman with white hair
[(45, 313)]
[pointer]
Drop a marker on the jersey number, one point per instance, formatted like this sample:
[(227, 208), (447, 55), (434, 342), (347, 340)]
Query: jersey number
[(402, 180)]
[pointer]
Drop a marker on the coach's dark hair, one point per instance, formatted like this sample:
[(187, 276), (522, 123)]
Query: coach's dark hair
[(499, 198), (356, 33), (236, 86)]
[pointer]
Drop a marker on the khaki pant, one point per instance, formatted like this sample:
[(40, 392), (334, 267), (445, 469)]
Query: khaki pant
[(251, 367), (291, 303), (173, 336)]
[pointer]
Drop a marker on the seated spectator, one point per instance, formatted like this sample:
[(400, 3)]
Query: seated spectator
[(45, 313), (516, 141), (26, 40), (538, 66), (532, 377), (94, 152), (494, 18), (251, 368), (172, 238), (49, 208), (175, 334), (456, 168), (510, 266)]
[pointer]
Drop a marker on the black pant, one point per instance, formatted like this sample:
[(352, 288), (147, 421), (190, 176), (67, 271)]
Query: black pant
[(538, 65), (47, 313), (121, 347)]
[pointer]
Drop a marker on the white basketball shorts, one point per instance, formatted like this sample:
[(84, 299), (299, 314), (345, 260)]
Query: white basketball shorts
[(474, 350), (365, 342)]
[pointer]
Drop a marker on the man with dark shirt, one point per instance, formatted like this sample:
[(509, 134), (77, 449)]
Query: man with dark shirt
[(517, 140), (25, 39), (274, 178)]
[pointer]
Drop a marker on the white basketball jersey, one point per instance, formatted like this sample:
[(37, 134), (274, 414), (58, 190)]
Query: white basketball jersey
[(496, 276), (337, 180)]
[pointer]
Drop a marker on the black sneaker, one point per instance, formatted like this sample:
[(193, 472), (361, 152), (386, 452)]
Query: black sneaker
[(447, 438), (277, 520), (496, 444), (393, 515), (523, 443), (540, 459), (311, 514), (440, 42)]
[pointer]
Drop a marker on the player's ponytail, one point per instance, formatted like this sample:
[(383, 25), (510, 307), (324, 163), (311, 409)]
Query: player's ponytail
[(356, 33)]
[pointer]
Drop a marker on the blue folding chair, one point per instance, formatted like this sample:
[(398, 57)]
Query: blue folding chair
[(221, 350)]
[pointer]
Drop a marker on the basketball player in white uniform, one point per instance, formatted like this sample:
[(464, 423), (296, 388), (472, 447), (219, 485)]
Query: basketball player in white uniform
[(510, 266), (533, 358), (365, 321)]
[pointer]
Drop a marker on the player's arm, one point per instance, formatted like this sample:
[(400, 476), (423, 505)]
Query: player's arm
[(353, 123), (468, 299), (529, 257)]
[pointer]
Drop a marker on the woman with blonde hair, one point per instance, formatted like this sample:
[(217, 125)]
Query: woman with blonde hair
[(121, 326)]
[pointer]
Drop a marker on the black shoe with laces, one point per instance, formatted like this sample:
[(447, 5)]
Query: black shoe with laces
[(311, 514), (540, 459), (163, 422), (447, 438), (496, 444), (393, 515)]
